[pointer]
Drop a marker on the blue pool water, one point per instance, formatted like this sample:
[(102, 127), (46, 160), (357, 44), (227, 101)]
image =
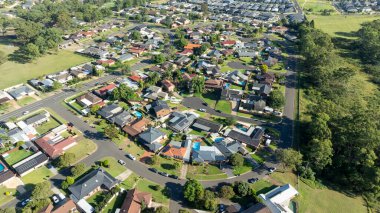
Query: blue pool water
[(1, 167), (196, 146), (137, 114), (227, 85), (241, 127), (217, 140)]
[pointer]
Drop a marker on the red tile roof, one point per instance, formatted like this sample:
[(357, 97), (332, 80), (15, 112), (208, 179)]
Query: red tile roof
[(228, 42), (107, 88), (133, 200), (135, 78), (54, 149), (192, 46)]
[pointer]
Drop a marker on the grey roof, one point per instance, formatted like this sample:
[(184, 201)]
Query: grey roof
[(207, 125), (154, 146), (252, 139), (122, 119), (150, 135), (228, 148), (36, 118), (110, 110), (200, 156), (20, 91), (159, 105), (124, 57), (179, 121), (90, 182), (30, 163)]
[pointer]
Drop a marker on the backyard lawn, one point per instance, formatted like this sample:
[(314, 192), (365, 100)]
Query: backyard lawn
[(25, 101), (39, 175), (44, 65), (114, 168), (147, 186), (17, 156), (82, 149), (6, 198), (167, 165), (115, 203), (206, 172), (44, 128), (318, 199)]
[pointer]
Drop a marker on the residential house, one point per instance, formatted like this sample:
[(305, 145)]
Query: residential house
[(122, 118), (6, 174), (106, 90), (17, 135), (136, 127), (137, 51), (105, 62), (91, 183), (20, 92), (186, 52), (202, 124), (125, 57), (183, 60), (152, 138), (134, 200), (154, 93), (38, 119), (66, 206), (262, 89), (231, 94), (252, 102), (168, 86), (237, 77), (278, 199), (110, 110), (191, 46), (61, 77), (213, 71), (95, 52), (4, 97), (229, 147), (228, 43), (270, 61), (178, 150), (44, 84), (207, 154), (212, 84), (180, 122), (251, 136), (266, 78), (159, 109), (54, 145), (88, 100), (30, 163)]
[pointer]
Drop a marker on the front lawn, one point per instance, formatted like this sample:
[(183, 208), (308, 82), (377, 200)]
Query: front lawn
[(129, 146), (46, 127), (210, 98), (41, 66), (83, 148), (114, 167), (318, 199), (206, 172), (39, 175), (148, 186), (25, 101), (224, 106), (258, 158), (6, 198), (167, 165), (262, 186), (18, 156), (238, 170)]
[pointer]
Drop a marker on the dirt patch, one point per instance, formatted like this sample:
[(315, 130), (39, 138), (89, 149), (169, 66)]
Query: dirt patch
[(146, 157)]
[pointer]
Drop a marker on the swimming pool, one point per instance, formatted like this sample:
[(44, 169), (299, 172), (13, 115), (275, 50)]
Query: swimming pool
[(196, 146), (241, 127), (1, 167), (137, 114), (217, 140)]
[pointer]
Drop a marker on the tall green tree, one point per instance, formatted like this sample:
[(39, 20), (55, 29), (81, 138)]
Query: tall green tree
[(193, 191)]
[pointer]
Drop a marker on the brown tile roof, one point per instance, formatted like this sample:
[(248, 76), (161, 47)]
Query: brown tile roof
[(65, 208), (137, 127), (133, 200)]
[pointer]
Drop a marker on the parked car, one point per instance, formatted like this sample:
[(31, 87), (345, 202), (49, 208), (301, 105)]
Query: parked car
[(173, 176), (221, 208), (131, 157), (271, 169), (253, 180), (26, 201), (202, 110), (153, 170), (206, 104), (25, 112), (121, 162), (163, 174), (55, 199), (218, 111)]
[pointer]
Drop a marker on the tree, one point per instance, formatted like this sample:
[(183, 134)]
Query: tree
[(56, 85), (155, 160), (204, 9), (94, 109), (276, 99), (264, 68), (319, 153), (193, 191), (289, 158), (226, 191), (177, 165), (70, 180), (181, 42), (162, 209), (369, 42), (230, 121), (242, 189), (125, 68), (159, 58), (210, 202), (31, 51), (136, 35), (41, 190), (66, 159), (111, 132), (78, 169), (65, 185), (154, 77), (236, 159), (198, 84)]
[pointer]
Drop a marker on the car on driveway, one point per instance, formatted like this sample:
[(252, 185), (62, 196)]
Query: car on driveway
[(271, 169), (163, 174), (153, 170), (222, 208), (253, 180), (202, 110), (206, 104), (26, 201), (131, 157), (26, 112), (121, 162), (55, 199), (173, 176), (218, 111)]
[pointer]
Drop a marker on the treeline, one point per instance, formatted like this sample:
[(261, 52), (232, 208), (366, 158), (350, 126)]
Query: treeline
[(341, 141)]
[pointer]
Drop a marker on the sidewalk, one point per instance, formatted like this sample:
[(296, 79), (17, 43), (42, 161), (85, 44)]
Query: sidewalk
[(183, 174), (124, 175)]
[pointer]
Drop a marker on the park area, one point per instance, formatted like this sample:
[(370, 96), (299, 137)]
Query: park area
[(13, 73)]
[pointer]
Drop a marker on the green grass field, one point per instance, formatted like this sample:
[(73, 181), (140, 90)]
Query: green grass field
[(340, 25), (146, 186), (224, 106), (238, 170), (167, 165), (17, 156), (6, 198), (115, 168), (37, 176), (315, 6), (208, 172), (44, 128), (13, 73), (317, 200), (82, 149), (25, 101)]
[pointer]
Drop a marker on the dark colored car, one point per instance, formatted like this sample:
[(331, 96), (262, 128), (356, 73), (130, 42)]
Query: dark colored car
[(163, 174), (173, 176), (253, 180), (206, 104), (218, 111), (153, 170)]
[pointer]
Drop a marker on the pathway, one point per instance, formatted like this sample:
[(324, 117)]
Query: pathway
[(183, 171), (124, 175)]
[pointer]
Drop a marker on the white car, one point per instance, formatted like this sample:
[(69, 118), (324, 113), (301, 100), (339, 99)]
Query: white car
[(131, 157), (202, 110), (121, 162), (25, 202), (26, 112), (55, 199)]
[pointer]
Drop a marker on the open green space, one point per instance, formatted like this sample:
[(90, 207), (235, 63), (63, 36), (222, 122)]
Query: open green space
[(195, 132), (246, 167), (167, 165), (258, 158), (340, 25), (318, 199), (130, 147), (224, 106), (83, 148), (114, 167), (4, 198), (38, 175), (148, 186), (5, 107), (316, 6), (44, 65), (210, 98), (17, 156), (262, 186), (205, 172), (25, 101), (45, 127), (130, 181)]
